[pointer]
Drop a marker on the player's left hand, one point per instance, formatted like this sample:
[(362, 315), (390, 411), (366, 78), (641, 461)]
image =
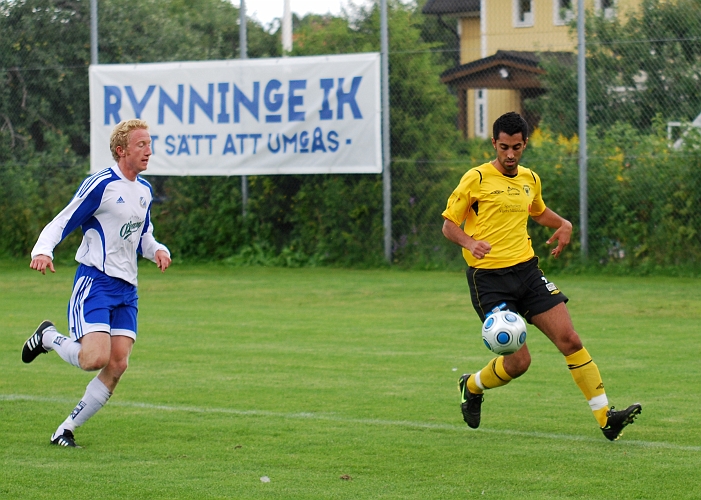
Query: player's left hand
[(163, 260), (562, 235)]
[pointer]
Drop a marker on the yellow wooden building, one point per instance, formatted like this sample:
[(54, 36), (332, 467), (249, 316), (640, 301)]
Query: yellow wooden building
[(502, 43)]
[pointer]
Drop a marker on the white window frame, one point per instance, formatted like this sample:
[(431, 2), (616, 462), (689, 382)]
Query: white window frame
[(607, 12), (481, 126), (528, 17), (559, 11)]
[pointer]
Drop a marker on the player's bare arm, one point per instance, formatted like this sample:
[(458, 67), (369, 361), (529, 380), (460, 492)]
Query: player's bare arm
[(563, 230), (41, 262), (477, 248), (163, 260)]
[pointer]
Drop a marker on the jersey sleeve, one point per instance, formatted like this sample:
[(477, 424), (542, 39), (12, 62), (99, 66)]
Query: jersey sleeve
[(148, 246), (78, 211), (462, 198), (537, 205)]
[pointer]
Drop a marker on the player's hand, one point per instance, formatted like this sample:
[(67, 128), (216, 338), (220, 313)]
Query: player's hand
[(41, 262), (562, 235), (163, 260), (480, 249)]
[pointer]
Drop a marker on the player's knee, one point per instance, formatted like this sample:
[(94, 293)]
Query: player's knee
[(119, 367), (570, 343), (521, 366), (517, 364), (93, 361)]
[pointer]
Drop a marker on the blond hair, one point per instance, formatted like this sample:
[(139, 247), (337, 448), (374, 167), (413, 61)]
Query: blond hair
[(120, 134)]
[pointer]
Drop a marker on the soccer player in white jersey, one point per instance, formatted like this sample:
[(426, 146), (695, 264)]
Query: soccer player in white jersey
[(113, 208)]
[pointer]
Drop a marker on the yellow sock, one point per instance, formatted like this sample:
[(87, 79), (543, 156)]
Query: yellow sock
[(587, 377), (491, 376)]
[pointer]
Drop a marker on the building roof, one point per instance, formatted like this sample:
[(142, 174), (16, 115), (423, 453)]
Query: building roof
[(439, 7), (515, 69)]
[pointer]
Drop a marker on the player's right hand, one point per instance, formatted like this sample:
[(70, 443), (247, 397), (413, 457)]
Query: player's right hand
[(41, 262), (480, 249)]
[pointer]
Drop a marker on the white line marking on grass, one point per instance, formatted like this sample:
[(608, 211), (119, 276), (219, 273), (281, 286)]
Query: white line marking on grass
[(365, 421)]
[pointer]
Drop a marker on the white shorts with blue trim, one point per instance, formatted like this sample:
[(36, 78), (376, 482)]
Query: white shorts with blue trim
[(101, 303)]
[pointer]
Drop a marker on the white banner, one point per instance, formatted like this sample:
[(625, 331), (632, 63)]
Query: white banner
[(291, 115)]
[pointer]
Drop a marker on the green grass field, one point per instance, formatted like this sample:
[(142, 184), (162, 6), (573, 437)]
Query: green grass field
[(342, 384)]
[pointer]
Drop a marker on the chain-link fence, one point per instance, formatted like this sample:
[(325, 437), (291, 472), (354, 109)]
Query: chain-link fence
[(453, 69)]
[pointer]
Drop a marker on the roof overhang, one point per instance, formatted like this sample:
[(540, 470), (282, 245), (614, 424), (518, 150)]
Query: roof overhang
[(457, 8), (503, 70)]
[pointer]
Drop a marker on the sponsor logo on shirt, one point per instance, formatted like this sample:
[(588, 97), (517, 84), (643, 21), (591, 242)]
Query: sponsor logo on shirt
[(513, 191), (120, 200), (516, 208), (129, 228), (497, 191)]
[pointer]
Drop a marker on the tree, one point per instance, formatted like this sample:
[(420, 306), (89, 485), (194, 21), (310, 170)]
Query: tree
[(642, 64), (45, 55), (44, 105)]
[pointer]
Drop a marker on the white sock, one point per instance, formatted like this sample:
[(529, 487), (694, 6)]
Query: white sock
[(478, 380), (96, 396), (67, 348)]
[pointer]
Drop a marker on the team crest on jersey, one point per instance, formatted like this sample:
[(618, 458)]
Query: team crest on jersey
[(513, 191), (527, 190), (142, 202)]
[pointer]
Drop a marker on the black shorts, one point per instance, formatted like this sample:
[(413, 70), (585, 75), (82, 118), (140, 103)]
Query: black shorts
[(522, 288)]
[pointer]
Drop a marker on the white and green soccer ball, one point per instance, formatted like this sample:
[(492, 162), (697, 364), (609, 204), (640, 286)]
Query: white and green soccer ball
[(504, 332)]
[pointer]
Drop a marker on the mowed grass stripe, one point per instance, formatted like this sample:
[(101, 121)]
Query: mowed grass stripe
[(361, 421)]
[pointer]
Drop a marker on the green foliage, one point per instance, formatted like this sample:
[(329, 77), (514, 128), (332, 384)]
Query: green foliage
[(423, 140), (32, 186), (45, 54), (653, 60), (334, 219), (644, 196), (643, 201), (44, 57), (44, 113), (134, 31), (291, 220), (641, 64), (557, 107)]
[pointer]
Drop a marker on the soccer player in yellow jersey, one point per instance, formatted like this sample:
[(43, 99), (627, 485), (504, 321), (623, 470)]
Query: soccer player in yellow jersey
[(492, 203)]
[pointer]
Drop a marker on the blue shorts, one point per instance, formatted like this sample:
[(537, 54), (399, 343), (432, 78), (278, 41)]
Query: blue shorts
[(100, 303)]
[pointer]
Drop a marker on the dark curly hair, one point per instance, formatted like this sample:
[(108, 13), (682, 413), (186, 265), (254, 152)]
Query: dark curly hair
[(510, 123)]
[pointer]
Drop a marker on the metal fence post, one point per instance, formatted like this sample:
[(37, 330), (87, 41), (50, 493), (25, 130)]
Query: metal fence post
[(243, 42), (582, 119), (93, 32), (386, 174)]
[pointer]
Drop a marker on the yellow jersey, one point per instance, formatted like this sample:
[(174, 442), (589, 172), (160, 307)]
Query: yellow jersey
[(495, 208)]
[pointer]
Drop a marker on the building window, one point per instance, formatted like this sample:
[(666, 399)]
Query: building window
[(562, 12), (606, 8), (481, 113), (523, 13)]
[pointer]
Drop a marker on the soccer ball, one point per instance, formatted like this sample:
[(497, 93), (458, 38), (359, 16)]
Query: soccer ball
[(504, 332)]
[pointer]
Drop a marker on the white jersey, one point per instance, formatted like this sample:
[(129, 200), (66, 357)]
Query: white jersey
[(115, 216)]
